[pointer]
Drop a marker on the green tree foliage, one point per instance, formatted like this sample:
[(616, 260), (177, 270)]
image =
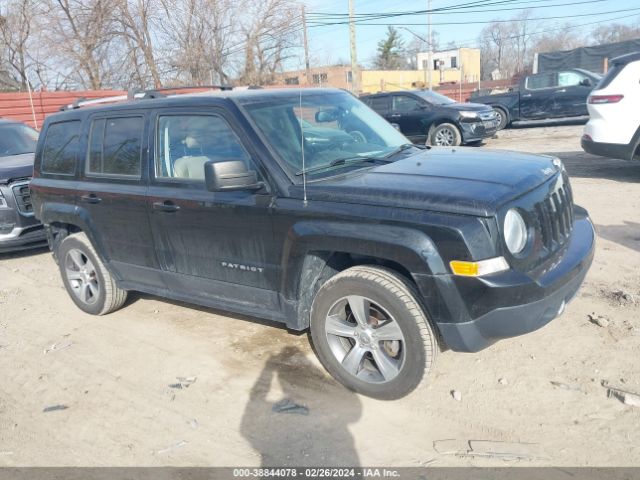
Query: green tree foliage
[(391, 52)]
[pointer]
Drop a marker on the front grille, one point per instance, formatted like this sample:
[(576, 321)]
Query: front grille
[(22, 194), (555, 216)]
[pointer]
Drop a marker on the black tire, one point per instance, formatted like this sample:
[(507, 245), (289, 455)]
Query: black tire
[(393, 295), (103, 295), (503, 118), (445, 135)]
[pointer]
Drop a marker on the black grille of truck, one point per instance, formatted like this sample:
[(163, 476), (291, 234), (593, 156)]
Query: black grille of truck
[(22, 194), (555, 216)]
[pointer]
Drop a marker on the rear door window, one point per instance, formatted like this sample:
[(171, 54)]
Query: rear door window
[(60, 151), (115, 147), (405, 104), (379, 104)]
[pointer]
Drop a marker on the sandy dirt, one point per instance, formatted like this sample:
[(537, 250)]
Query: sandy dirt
[(162, 383)]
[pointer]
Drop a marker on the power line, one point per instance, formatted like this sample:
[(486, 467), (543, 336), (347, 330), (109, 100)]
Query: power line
[(380, 16), (318, 24)]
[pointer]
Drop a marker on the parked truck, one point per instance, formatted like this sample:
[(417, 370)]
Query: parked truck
[(543, 96)]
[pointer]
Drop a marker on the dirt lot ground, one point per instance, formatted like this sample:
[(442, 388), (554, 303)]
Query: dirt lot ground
[(161, 383)]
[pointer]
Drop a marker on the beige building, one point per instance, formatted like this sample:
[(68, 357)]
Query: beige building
[(338, 76), (460, 65)]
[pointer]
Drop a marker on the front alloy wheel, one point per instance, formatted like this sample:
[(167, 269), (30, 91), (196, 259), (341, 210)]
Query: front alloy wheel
[(371, 333), (445, 135), (365, 339)]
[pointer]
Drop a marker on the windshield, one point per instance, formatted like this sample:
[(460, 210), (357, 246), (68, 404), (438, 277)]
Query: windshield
[(335, 126), (17, 139), (433, 97)]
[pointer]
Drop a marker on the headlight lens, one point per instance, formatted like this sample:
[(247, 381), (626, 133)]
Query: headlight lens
[(515, 231), (466, 114)]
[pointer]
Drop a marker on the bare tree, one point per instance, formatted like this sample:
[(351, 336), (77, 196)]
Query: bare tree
[(197, 34), (269, 34), (560, 38), (137, 19), (614, 32), (81, 36), (15, 32)]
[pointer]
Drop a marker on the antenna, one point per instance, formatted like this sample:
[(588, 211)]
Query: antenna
[(304, 174)]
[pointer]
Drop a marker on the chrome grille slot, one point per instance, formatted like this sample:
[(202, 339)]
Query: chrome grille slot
[(555, 217), (22, 195)]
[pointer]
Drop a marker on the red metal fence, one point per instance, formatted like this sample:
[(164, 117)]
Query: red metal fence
[(24, 108), (32, 109)]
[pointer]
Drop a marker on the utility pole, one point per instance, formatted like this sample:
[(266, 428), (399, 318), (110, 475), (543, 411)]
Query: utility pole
[(355, 82), (306, 46), (430, 51)]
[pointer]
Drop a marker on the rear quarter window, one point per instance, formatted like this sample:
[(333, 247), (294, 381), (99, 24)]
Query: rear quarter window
[(115, 147), (612, 73), (60, 150)]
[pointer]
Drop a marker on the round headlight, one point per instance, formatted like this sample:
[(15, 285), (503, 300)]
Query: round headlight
[(515, 231)]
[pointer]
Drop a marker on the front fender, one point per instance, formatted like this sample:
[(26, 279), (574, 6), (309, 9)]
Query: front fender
[(410, 248)]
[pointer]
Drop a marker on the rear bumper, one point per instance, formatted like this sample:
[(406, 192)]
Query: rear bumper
[(524, 306), (611, 150)]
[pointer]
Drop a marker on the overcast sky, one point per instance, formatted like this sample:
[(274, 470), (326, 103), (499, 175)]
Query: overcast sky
[(329, 44)]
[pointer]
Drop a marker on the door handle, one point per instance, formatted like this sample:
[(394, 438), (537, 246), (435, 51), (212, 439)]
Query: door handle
[(526, 95), (166, 206), (561, 91), (91, 198), (395, 115)]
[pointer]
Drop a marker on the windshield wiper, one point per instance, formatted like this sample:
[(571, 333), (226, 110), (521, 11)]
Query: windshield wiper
[(403, 147), (342, 161)]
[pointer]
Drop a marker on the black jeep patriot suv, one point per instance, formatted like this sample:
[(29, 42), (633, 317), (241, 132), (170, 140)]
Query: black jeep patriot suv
[(307, 208)]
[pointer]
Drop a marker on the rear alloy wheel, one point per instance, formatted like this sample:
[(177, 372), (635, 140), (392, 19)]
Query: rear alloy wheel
[(371, 334), (445, 135), (88, 282)]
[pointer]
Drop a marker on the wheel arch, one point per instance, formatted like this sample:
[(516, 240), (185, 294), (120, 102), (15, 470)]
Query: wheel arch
[(314, 252)]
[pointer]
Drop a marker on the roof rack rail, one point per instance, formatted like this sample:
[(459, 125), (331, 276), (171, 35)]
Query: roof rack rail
[(138, 95)]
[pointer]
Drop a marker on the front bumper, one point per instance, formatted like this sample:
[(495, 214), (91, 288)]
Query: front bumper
[(23, 238), (18, 230), (475, 131), (523, 306)]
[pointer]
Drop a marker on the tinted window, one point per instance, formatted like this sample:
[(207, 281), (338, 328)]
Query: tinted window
[(59, 154), (187, 142), (17, 139), (543, 80), (115, 146), (612, 73), (403, 103), (379, 104)]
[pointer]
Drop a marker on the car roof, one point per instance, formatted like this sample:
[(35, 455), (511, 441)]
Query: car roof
[(208, 98), (5, 121), (624, 59)]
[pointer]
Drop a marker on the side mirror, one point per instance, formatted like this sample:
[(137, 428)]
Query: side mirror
[(230, 175), (585, 82)]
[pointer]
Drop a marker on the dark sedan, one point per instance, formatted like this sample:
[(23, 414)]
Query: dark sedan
[(427, 117)]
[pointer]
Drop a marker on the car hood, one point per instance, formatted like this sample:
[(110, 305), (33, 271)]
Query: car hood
[(453, 180), (468, 107), (16, 166)]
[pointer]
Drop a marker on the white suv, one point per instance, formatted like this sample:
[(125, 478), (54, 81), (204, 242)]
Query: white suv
[(614, 128)]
